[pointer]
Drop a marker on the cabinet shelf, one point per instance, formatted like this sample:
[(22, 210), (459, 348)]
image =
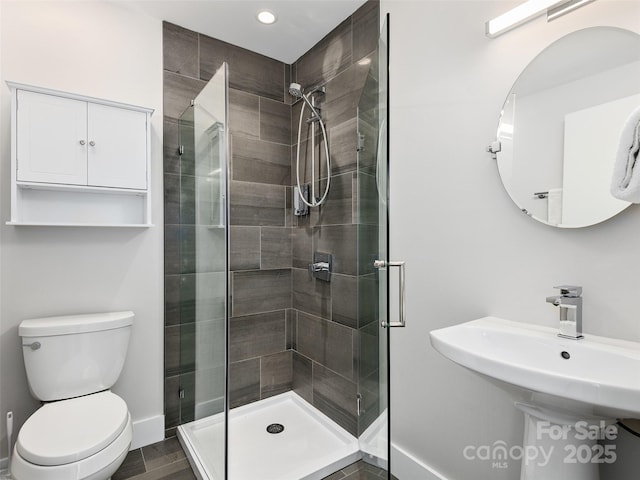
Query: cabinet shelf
[(46, 204), (100, 225), (60, 187)]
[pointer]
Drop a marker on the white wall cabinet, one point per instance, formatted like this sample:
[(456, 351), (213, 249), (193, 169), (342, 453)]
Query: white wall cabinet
[(78, 160), (117, 143), (51, 132)]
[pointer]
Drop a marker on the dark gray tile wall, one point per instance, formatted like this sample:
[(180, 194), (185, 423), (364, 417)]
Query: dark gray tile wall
[(244, 382), (260, 161), (257, 204), (248, 71), (257, 335), (245, 248), (335, 396), (327, 58), (276, 373), (288, 331), (260, 235), (260, 291), (329, 342), (275, 247)]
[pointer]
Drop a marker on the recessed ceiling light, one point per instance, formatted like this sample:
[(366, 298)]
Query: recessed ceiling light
[(266, 17)]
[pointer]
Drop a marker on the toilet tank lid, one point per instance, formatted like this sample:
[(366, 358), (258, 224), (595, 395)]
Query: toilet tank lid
[(70, 324)]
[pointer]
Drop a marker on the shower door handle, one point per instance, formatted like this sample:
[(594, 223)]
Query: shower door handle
[(401, 292)]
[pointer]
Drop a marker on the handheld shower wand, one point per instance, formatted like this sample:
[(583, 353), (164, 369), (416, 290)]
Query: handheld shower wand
[(295, 89)]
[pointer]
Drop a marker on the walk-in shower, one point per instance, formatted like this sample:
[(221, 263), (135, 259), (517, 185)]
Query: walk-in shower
[(284, 436), (273, 373), (296, 90)]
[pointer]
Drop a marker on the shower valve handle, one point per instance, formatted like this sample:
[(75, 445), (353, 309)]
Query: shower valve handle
[(319, 267)]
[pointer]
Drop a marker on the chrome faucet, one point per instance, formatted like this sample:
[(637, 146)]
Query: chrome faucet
[(570, 303)]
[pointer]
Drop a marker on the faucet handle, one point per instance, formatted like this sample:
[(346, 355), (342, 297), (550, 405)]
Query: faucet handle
[(569, 290)]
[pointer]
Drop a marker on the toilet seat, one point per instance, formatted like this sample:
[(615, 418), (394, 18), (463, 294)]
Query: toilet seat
[(99, 465), (70, 430)]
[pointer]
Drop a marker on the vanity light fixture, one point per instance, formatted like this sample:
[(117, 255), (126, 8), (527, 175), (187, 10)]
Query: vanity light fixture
[(564, 8), (528, 11), (267, 17)]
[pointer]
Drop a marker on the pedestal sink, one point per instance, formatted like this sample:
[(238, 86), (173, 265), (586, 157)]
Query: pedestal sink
[(571, 391)]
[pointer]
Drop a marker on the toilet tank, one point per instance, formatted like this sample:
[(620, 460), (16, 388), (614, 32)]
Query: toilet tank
[(74, 355)]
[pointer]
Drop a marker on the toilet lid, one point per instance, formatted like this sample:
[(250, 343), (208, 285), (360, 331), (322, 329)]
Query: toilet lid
[(71, 430)]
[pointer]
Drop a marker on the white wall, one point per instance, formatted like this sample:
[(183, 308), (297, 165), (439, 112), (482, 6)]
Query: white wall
[(470, 252), (108, 51)]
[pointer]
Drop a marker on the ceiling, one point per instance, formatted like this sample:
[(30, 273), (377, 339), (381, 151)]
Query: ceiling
[(300, 23)]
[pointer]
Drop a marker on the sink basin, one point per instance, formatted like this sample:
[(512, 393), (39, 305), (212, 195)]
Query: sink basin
[(601, 375), (564, 387)]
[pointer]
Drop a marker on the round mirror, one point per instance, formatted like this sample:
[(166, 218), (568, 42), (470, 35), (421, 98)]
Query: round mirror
[(561, 123)]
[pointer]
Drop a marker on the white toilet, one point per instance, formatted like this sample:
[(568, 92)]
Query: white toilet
[(82, 431)]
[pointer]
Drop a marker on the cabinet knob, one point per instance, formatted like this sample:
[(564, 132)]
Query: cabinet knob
[(92, 143), (82, 142)]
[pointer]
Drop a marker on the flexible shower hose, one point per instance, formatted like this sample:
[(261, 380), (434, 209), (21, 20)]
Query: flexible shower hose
[(313, 202)]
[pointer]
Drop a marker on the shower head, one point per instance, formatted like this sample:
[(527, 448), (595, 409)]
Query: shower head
[(295, 89)]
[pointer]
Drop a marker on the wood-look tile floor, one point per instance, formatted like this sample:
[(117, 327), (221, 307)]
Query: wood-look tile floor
[(166, 461), (162, 460), (359, 471)]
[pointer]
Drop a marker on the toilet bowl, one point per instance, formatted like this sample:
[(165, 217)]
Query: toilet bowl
[(83, 431)]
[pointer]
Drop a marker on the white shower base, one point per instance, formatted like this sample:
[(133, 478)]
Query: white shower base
[(311, 447)]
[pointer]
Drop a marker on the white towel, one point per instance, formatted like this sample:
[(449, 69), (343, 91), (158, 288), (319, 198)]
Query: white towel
[(625, 183), (554, 206)]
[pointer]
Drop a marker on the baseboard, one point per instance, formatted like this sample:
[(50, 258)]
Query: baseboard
[(407, 467), (147, 431)]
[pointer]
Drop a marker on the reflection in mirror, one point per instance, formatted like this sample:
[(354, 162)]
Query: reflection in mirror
[(561, 123)]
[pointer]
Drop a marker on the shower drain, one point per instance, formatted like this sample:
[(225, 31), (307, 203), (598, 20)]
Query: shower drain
[(275, 428)]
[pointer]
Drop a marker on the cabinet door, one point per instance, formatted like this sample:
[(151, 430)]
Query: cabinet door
[(51, 139), (117, 143)]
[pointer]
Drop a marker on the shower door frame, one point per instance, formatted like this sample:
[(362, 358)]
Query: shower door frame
[(373, 261), (211, 227)]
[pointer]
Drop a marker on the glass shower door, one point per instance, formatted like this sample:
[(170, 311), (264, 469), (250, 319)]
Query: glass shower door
[(203, 254), (373, 265)]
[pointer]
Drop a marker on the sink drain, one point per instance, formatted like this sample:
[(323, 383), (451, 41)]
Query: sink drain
[(275, 428)]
